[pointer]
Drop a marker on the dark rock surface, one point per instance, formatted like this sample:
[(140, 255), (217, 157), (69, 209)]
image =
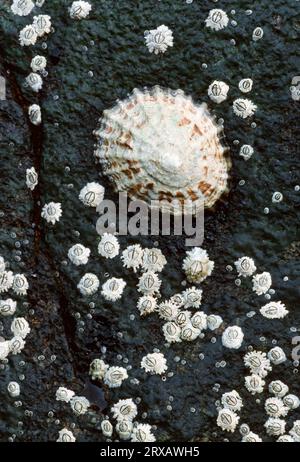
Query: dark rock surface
[(68, 331)]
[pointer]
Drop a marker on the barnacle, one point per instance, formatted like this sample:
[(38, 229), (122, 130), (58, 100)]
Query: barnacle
[(114, 376), (158, 40), (244, 108), (155, 363), (217, 91), (262, 283), (78, 254), (232, 337), (274, 310), (132, 256), (149, 283), (108, 246), (146, 305), (20, 327), (88, 284), (92, 194), (217, 19), (227, 420), (124, 409), (197, 265), (113, 289)]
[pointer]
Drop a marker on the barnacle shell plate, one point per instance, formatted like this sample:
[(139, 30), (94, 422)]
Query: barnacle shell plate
[(159, 145)]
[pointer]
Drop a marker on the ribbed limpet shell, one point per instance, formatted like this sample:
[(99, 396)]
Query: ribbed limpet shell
[(158, 145)]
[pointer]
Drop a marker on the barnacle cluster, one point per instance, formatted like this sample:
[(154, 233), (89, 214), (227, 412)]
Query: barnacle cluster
[(112, 376), (126, 428)]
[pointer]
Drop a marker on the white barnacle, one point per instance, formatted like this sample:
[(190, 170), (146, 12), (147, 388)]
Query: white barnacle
[(38, 63), (277, 197), (291, 401), (52, 212), (31, 178), (197, 265), (124, 409), (189, 333), (16, 345), (217, 19), (171, 332), (261, 283), (124, 429), (275, 426), (295, 431), (252, 438), (65, 436), (274, 310), (218, 91), (80, 10), (199, 320), (34, 81), (295, 90), (64, 394), (78, 254), (142, 434), (108, 246), (92, 194), (247, 152), (183, 318), (245, 266), (168, 311), (214, 321), (178, 300), (107, 428), (275, 407), (114, 376), (6, 281), (232, 337), (4, 349), (113, 289), (278, 388), (257, 34), (192, 297), (35, 114), (232, 400), (258, 363), (146, 305), (42, 24), (20, 327), (8, 307), (28, 36), (276, 355), (22, 7), (227, 420), (132, 256), (149, 283), (246, 85), (20, 284), (158, 40), (285, 439), (244, 108), (79, 405), (254, 384), (13, 389), (98, 369), (155, 363), (153, 260), (88, 284)]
